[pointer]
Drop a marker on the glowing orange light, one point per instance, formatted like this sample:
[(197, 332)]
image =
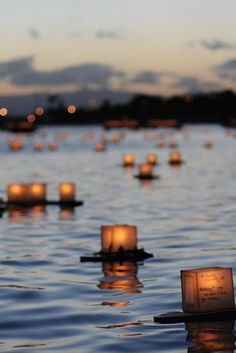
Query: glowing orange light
[(52, 146), (39, 111), (152, 159), (36, 192), (38, 146), (3, 111), (145, 169), (128, 160), (67, 192), (117, 237), (173, 144), (175, 157), (16, 192), (16, 145), (71, 109), (207, 289), (99, 147), (31, 118)]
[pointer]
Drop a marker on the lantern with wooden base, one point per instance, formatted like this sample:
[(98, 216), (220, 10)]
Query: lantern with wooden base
[(207, 295), (175, 159), (146, 172), (119, 243)]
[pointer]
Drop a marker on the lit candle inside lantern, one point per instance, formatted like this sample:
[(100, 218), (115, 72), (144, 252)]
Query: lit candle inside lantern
[(128, 160), (67, 192), (117, 237), (36, 192), (16, 192), (145, 170), (175, 157), (207, 289), (152, 159)]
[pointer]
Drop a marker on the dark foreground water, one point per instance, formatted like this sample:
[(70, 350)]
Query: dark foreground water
[(50, 302)]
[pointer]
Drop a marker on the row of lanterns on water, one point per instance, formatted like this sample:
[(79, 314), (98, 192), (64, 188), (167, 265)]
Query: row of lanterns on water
[(17, 145), (37, 192)]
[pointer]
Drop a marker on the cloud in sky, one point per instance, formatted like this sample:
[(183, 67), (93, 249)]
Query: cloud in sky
[(194, 85), (102, 34), (146, 77), (34, 33), (21, 72), (227, 70), (217, 44)]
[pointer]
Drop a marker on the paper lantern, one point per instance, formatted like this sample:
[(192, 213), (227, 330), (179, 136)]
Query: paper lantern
[(52, 146), (207, 289), (36, 192), (175, 158), (145, 170), (118, 237), (16, 145), (16, 193), (152, 159), (99, 147), (67, 192), (128, 160), (173, 144), (38, 146)]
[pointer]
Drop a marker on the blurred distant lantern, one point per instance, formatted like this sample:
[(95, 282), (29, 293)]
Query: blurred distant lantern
[(36, 192), (120, 276), (71, 109), (38, 146), (67, 192), (152, 159), (16, 145), (207, 289), (52, 146), (175, 158), (128, 160), (31, 118), (145, 170), (3, 112), (99, 147), (173, 144), (119, 237), (39, 111), (16, 193), (160, 144), (208, 144)]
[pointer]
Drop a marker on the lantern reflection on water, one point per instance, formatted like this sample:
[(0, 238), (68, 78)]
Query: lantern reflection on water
[(67, 192), (211, 337), (207, 289), (128, 160), (118, 237), (121, 276), (16, 216)]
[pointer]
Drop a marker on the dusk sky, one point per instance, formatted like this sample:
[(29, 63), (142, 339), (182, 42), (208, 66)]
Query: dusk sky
[(153, 46)]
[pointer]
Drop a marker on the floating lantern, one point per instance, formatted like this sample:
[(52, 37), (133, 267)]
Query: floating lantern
[(99, 147), (67, 192), (128, 160), (36, 192), (118, 243), (118, 237), (16, 193), (145, 170), (52, 146), (175, 158), (152, 159), (208, 144), (38, 146), (15, 145), (207, 289), (160, 144), (173, 144)]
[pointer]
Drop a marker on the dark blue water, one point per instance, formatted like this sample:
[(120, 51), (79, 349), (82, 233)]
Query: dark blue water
[(51, 302)]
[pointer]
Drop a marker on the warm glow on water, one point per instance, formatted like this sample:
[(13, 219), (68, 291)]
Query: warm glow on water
[(52, 301)]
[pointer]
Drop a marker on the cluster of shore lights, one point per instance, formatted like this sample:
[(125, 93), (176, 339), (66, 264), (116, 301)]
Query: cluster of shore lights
[(37, 192)]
